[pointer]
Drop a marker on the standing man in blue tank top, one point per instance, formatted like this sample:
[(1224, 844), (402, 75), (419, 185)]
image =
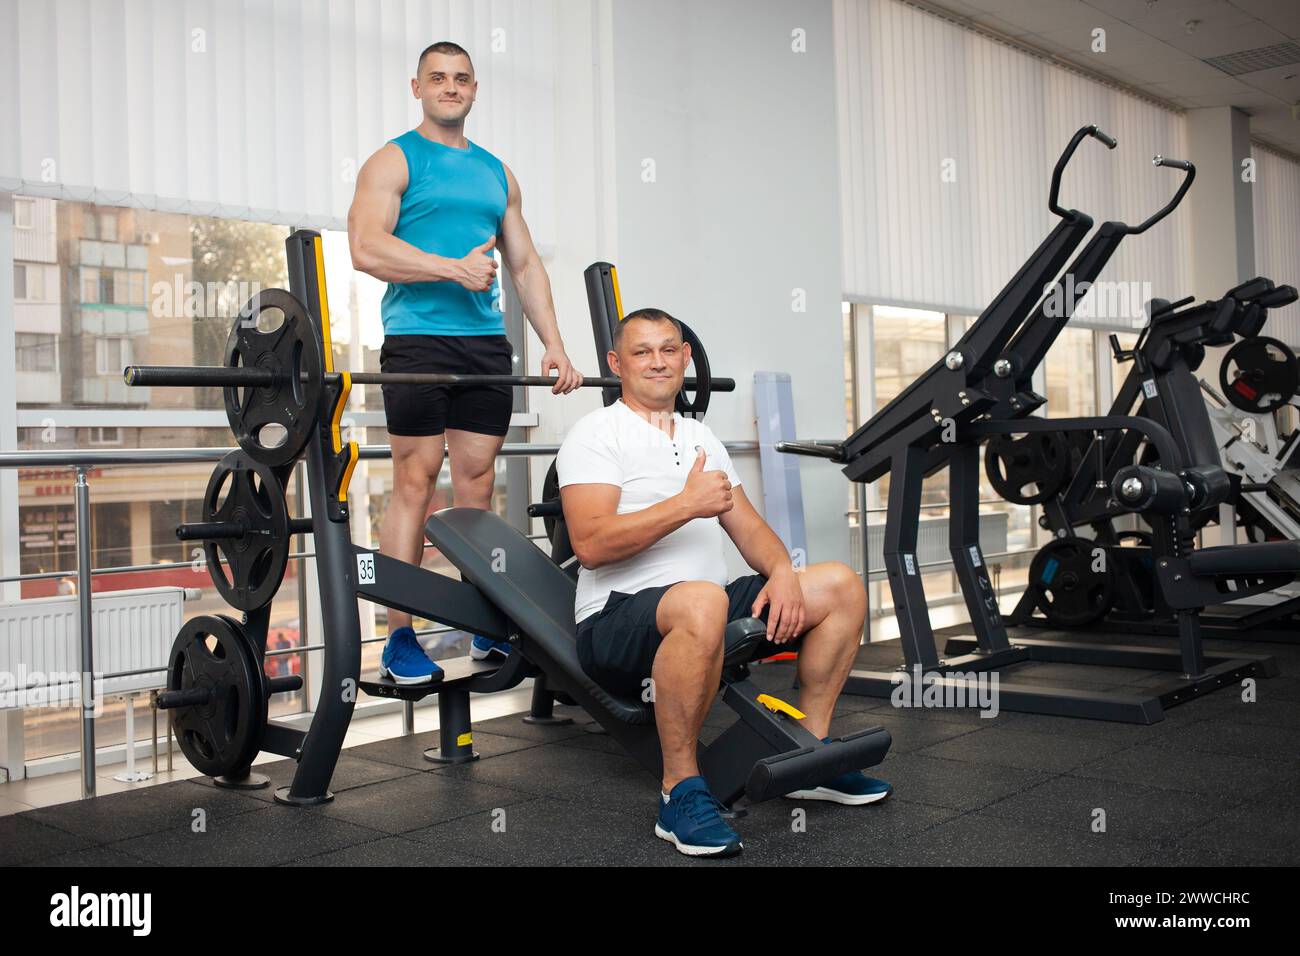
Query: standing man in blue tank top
[(430, 208)]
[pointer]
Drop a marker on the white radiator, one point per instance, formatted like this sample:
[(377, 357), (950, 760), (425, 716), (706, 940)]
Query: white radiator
[(40, 643), (931, 540)]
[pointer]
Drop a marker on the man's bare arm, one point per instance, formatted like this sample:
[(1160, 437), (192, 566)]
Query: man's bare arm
[(600, 535), (372, 218), (758, 543), (531, 281), (533, 286)]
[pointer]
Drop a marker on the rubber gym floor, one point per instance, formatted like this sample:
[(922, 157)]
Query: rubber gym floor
[(1214, 783)]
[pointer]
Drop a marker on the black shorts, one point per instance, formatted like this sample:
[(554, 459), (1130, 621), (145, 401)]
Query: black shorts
[(420, 410), (617, 645)]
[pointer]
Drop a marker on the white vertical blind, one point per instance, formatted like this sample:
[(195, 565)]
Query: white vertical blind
[(256, 109), (1276, 205), (919, 96)]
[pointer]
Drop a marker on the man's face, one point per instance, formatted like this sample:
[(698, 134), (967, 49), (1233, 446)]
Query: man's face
[(446, 86), (651, 360)]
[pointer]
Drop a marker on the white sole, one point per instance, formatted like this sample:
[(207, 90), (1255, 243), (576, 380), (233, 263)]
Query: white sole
[(689, 850), (385, 673), (834, 796), (478, 655)]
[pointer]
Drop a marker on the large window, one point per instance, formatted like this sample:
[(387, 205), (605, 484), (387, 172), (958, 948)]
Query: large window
[(1071, 375), (126, 286), (890, 347)]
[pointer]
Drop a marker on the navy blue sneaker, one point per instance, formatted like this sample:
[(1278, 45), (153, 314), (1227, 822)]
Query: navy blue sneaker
[(689, 819), (404, 661), (852, 789), (484, 647)]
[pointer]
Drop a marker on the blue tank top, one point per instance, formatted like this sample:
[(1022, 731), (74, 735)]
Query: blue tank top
[(455, 200)]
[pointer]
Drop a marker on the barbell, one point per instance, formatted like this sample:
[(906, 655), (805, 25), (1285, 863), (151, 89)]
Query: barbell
[(275, 377)]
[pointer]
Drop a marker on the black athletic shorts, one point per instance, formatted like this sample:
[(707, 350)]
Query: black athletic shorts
[(431, 409), (617, 645)]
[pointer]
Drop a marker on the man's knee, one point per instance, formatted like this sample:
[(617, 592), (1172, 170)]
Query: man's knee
[(698, 608), (843, 583), (414, 485)]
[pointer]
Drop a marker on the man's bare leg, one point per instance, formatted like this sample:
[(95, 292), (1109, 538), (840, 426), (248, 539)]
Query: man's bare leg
[(692, 616), (835, 605), (416, 463), (473, 467)]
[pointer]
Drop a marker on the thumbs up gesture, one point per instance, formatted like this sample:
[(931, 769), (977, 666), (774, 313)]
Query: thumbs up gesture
[(707, 493), (478, 268)]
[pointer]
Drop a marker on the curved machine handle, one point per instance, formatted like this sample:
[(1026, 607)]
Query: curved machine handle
[(1082, 134), (1170, 206)]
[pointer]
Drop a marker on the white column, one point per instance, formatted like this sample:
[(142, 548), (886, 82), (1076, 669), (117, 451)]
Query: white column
[(1223, 223), (11, 721)]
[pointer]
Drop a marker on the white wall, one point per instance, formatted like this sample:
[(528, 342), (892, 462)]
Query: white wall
[(743, 210)]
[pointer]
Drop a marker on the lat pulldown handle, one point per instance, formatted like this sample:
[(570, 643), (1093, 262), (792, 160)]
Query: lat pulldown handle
[(1170, 206), (1064, 161)]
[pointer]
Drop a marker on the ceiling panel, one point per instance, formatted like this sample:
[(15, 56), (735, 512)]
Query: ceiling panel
[(1282, 15), (1149, 48)]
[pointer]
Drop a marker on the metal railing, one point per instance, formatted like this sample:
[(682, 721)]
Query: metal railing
[(80, 460)]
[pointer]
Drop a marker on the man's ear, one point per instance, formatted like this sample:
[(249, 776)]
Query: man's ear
[(415, 87), (686, 353), (612, 358)]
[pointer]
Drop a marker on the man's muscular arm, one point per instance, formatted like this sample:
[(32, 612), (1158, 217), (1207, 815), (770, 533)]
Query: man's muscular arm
[(600, 535), (377, 252), (534, 287)]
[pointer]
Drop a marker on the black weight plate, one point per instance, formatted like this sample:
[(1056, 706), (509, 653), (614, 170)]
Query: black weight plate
[(292, 353), (1260, 375), (1028, 469), (244, 492), (697, 406), (550, 492), (1070, 592), (225, 734)]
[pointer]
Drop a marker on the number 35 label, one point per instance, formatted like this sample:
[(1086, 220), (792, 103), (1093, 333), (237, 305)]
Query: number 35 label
[(366, 568)]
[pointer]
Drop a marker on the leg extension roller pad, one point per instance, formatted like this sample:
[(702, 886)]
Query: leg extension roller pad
[(808, 767)]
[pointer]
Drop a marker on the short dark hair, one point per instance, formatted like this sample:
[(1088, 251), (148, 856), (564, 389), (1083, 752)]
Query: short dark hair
[(648, 315), (445, 47)]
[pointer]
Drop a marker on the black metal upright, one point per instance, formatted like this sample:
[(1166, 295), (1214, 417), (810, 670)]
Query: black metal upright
[(341, 654)]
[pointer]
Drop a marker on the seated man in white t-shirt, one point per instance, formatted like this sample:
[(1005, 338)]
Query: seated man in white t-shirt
[(646, 495)]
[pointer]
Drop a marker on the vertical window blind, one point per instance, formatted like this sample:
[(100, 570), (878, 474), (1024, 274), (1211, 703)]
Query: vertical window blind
[(257, 109), (1276, 204), (947, 142)]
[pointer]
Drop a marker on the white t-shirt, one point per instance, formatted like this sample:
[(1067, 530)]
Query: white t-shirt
[(616, 446)]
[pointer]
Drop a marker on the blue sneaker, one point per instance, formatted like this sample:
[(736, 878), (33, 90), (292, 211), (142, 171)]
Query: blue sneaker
[(484, 647), (852, 789), (404, 661), (689, 819)]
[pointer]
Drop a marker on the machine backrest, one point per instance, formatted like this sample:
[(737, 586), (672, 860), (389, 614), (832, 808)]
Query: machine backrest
[(530, 589)]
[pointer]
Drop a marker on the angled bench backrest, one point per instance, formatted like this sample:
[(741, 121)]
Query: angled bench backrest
[(530, 589)]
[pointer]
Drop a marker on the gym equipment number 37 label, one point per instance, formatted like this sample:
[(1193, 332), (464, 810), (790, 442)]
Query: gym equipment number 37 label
[(366, 568)]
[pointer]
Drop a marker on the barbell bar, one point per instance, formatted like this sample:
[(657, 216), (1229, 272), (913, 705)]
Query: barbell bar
[(196, 376)]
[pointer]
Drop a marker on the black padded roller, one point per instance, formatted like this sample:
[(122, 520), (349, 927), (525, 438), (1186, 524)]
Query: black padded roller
[(1210, 486), (1139, 488)]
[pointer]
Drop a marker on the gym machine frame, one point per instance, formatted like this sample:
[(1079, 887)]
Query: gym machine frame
[(1161, 386), (981, 389)]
